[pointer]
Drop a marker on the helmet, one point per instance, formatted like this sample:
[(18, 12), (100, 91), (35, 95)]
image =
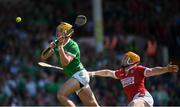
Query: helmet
[(134, 57), (130, 58), (63, 27)]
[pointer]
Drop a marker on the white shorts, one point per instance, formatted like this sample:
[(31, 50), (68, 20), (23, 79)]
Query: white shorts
[(83, 77), (148, 98)]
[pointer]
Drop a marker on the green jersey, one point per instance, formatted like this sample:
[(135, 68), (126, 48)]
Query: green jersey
[(75, 65)]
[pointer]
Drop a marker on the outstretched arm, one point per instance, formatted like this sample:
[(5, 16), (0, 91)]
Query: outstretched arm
[(160, 70), (103, 73)]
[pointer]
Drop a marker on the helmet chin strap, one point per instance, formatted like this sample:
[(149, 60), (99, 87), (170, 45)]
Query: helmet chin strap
[(128, 61), (129, 65)]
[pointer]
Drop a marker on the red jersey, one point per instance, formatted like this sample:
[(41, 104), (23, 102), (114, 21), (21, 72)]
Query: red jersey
[(132, 81)]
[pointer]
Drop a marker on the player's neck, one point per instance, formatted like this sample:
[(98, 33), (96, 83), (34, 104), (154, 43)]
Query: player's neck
[(66, 41), (129, 67)]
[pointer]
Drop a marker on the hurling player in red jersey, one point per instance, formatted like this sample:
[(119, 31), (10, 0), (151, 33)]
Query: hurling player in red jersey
[(132, 78)]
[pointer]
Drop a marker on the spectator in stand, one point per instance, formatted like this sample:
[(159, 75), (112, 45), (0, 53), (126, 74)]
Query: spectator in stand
[(151, 52)]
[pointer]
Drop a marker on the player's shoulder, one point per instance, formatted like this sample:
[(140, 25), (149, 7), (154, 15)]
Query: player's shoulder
[(139, 67), (120, 70), (72, 42)]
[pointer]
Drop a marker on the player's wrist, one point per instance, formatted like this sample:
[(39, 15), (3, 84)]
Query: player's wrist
[(60, 47), (52, 45)]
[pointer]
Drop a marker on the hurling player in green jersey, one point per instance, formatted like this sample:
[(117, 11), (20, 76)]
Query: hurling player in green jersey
[(68, 54)]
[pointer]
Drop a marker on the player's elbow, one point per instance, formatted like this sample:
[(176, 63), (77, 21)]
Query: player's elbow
[(66, 60), (152, 72), (109, 73), (65, 63)]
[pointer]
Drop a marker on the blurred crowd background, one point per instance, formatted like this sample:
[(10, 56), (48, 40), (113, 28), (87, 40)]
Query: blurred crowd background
[(147, 27)]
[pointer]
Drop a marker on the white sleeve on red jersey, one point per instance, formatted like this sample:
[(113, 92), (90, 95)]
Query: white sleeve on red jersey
[(142, 70), (146, 69)]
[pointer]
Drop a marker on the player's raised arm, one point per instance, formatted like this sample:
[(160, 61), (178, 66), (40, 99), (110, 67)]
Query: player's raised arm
[(47, 52), (160, 70), (103, 73)]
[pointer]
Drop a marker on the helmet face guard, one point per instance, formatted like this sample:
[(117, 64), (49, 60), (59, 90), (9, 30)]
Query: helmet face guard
[(130, 59)]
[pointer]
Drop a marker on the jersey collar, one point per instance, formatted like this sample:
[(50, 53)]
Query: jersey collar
[(129, 68), (66, 42)]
